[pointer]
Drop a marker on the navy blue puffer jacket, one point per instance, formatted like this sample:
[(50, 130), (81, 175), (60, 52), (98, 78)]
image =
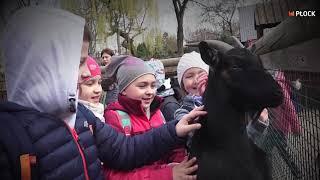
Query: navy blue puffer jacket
[(66, 154)]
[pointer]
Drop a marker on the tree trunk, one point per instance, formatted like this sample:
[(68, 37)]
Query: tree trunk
[(93, 15), (132, 47), (180, 35), (118, 41), (179, 8), (230, 27)]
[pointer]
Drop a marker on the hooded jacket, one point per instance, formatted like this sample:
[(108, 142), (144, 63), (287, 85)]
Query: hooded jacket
[(41, 50), (285, 116), (50, 39), (141, 124)]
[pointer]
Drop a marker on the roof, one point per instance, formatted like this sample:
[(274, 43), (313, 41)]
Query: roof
[(246, 21), (271, 13)]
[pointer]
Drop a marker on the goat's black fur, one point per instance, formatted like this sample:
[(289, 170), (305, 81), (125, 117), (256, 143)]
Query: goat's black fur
[(237, 84)]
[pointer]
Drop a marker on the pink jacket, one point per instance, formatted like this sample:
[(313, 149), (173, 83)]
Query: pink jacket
[(285, 116), (140, 124)]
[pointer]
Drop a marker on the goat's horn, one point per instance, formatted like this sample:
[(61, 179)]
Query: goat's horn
[(219, 45), (195, 44), (236, 42), (216, 44)]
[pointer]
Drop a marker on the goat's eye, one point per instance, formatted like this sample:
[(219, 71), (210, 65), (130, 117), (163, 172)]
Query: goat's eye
[(235, 67)]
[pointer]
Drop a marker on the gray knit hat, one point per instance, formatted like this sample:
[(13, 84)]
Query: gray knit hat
[(125, 69)]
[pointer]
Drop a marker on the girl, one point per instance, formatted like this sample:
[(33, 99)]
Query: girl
[(192, 75), (137, 111), (90, 87)]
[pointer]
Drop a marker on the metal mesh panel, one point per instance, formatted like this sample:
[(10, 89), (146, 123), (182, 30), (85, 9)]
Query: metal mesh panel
[(292, 138)]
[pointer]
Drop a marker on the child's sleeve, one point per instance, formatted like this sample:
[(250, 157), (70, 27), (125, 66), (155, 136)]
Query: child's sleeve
[(125, 153), (255, 129), (177, 155), (183, 110)]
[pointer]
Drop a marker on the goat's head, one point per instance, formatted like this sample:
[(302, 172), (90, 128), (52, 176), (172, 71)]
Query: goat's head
[(251, 87)]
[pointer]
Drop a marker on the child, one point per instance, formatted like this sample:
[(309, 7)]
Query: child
[(106, 55), (139, 107), (192, 75), (111, 89), (164, 90), (90, 87), (284, 121)]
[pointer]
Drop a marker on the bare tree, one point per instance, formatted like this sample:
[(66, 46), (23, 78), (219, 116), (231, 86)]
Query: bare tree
[(219, 12), (179, 9), (202, 34), (87, 9), (126, 19)]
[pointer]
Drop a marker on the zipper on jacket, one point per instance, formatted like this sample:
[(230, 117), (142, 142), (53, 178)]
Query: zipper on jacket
[(76, 139)]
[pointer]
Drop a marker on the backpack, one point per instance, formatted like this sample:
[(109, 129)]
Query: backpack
[(125, 121), (19, 148)]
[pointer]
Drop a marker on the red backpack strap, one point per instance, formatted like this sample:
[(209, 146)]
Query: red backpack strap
[(125, 122)]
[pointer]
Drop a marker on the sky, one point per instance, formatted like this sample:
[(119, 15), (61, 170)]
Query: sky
[(168, 22)]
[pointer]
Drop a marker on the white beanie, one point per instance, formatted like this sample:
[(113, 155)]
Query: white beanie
[(158, 68), (190, 60)]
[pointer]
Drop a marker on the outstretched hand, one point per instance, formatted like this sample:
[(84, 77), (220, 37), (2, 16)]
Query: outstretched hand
[(184, 169), (202, 82), (264, 115), (187, 123)]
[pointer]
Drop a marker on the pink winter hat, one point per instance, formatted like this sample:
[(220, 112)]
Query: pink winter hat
[(93, 67)]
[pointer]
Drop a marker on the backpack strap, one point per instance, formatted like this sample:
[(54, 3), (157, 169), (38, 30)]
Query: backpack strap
[(125, 122), (21, 152)]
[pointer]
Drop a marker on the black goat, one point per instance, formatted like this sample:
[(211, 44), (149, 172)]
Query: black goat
[(237, 84)]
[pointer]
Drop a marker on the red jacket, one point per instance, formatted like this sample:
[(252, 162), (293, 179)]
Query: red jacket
[(140, 124), (286, 118)]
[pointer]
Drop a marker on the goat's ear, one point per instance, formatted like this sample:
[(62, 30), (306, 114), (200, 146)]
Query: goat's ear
[(209, 55)]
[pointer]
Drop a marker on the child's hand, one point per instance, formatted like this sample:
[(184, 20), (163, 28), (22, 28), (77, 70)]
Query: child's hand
[(202, 82), (186, 124), (184, 169), (264, 115)]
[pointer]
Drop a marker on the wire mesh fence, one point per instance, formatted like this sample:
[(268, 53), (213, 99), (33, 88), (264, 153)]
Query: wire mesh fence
[(292, 138)]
